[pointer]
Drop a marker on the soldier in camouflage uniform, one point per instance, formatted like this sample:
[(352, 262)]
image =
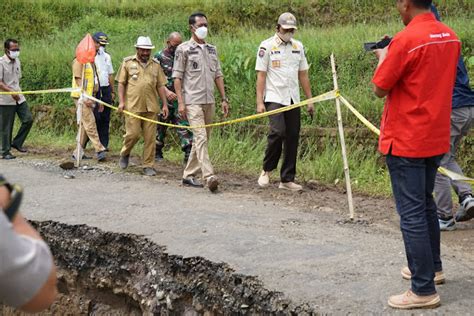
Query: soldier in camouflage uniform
[(166, 59)]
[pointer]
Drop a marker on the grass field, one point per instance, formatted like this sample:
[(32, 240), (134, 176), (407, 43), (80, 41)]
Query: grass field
[(49, 31)]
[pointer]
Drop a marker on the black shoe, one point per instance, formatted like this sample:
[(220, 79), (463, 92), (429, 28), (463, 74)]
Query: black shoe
[(149, 172), (101, 156), (20, 149), (193, 182), (123, 162), (159, 154), (8, 156)]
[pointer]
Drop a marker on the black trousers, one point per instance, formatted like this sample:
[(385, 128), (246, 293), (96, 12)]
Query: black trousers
[(7, 118), (102, 119), (284, 136)]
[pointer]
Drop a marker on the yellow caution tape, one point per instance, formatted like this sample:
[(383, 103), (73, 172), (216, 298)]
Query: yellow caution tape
[(360, 116), (63, 90), (331, 95), (455, 176), (450, 174)]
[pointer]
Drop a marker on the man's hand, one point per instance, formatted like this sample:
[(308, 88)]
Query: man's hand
[(311, 109), (100, 108), (170, 95), (182, 110), (113, 97), (4, 197), (381, 54), (225, 108), (121, 107), (260, 107), (16, 97), (165, 111), (89, 103)]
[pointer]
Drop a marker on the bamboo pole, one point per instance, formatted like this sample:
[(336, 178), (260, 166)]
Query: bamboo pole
[(343, 142)]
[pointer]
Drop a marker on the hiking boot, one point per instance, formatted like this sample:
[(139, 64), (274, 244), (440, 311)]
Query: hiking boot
[(123, 161), (291, 186), (410, 300), (438, 279), (192, 182), (447, 224), (150, 172), (466, 211), (212, 183), (187, 152), (159, 154), (101, 155), (264, 179)]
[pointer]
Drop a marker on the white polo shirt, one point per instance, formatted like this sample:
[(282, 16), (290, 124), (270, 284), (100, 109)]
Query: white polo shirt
[(103, 62), (282, 62)]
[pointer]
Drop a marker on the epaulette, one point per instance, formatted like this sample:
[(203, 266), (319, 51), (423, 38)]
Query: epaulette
[(155, 60), (128, 58)]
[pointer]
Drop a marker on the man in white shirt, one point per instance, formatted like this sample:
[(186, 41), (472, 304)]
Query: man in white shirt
[(281, 66), (106, 92)]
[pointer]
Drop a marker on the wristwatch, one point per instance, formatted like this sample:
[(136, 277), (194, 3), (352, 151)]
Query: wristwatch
[(16, 195), (225, 99)]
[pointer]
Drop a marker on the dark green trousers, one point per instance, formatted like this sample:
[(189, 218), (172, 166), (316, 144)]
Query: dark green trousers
[(26, 119), (7, 118)]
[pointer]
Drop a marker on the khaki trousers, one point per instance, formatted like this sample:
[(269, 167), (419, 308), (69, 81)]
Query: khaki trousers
[(199, 114), (133, 130), (89, 127)]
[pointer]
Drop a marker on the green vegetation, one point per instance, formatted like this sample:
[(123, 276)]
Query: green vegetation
[(49, 31)]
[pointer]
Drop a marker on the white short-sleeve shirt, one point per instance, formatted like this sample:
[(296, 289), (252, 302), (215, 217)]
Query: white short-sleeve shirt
[(103, 62), (282, 62)]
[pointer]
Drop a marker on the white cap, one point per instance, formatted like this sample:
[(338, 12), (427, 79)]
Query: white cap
[(144, 42)]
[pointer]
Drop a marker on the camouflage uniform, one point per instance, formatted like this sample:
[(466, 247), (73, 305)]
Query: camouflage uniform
[(166, 59)]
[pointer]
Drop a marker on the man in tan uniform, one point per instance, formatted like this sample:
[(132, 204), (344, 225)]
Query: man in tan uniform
[(141, 81), (87, 79), (196, 69)]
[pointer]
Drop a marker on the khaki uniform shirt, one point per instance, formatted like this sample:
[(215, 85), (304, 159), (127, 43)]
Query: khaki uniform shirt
[(141, 83), (10, 74), (198, 67), (282, 62)]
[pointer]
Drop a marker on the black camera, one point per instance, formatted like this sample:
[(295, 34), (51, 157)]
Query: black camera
[(377, 45)]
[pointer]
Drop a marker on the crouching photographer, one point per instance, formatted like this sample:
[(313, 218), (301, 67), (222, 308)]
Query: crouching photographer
[(27, 270)]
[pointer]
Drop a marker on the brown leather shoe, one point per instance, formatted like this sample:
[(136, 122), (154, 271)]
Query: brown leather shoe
[(438, 279), (410, 300)]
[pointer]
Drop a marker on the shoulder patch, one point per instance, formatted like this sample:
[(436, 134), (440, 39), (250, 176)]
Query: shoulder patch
[(261, 52)]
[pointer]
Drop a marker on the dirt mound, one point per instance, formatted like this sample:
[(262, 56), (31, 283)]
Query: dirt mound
[(103, 272)]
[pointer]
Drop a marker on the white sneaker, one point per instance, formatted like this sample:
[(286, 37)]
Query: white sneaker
[(291, 186), (264, 179)]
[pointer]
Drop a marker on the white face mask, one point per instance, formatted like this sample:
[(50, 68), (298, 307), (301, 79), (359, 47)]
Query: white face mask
[(201, 32), (286, 37), (14, 54), (102, 49)]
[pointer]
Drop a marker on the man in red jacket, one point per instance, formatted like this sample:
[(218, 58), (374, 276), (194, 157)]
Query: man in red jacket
[(416, 73)]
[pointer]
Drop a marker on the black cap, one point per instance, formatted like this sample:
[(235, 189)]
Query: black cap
[(101, 38)]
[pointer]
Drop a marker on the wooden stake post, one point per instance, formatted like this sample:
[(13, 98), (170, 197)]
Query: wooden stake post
[(343, 143)]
